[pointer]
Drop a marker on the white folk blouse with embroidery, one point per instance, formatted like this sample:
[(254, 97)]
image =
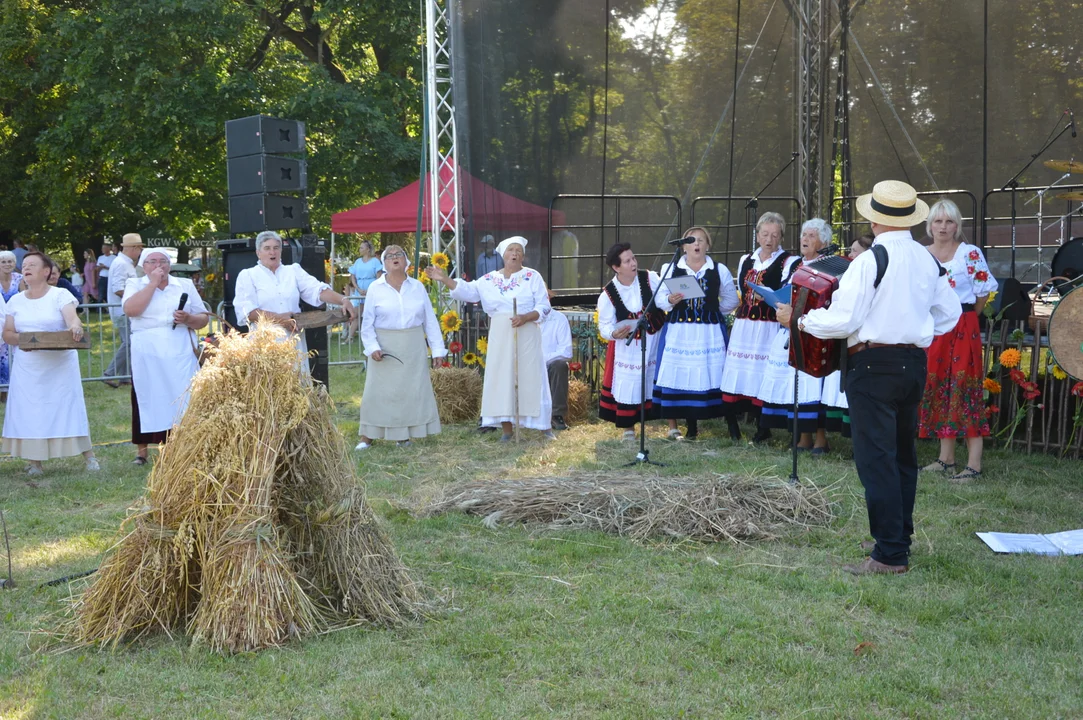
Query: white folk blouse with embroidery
[(496, 292), (632, 298), (968, 274), (280, 291), (728, 300), (389, 309)]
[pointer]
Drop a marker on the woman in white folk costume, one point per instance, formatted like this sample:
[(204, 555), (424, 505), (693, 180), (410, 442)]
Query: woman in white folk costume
[(516, 300), (163, 347), (692, 344), (755, 326), (45, 415), (273, 291), (399, 331), (620, 304), (776, 390)]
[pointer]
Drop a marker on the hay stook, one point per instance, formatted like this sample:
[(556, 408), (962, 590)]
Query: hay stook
[(254, 529)]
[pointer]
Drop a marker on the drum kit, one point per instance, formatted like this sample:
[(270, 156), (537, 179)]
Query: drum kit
[(1066, 320)]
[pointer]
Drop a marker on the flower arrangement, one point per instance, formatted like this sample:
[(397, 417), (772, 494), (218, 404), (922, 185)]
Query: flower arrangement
[(1031, 392), (1077, 419)]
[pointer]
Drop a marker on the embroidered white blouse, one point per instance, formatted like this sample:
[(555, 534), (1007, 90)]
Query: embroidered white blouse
[(728, 299), (632, 298), (280, 291), (757, 264), (968, 274), (389, 309), (496, 292)]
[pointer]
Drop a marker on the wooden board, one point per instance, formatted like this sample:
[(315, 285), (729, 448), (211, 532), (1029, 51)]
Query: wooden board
[(61, 340), (319, 318)]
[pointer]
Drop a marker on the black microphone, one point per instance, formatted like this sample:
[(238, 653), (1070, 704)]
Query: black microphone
[(682, 241), (829, 250), (1071, 117), (183, 302)]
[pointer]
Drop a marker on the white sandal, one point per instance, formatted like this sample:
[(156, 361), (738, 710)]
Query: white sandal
[(628, 435), (362, 445), (675, 435)]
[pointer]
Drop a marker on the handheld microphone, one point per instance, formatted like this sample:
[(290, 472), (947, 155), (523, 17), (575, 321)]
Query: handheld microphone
[(829, 250), (682, 241), (1071, 119), (183, 302)]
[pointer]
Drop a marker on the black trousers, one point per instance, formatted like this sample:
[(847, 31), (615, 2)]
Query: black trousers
[(884, 388), (558, 386)]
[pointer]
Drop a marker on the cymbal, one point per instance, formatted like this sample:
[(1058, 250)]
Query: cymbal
[(1068, 166), (1074, 196)]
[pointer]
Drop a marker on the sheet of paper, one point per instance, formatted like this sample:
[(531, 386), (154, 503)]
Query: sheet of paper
[(772, 297), (630, 324), (1019, 543), (1070, 542), (685, 285)]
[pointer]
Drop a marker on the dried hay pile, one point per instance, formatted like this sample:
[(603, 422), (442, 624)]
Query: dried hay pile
[(578, 401), (458, 394), (708, 510), (253, 529)]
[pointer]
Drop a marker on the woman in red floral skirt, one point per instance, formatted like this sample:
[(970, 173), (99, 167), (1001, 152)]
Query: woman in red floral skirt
[(953, 404)]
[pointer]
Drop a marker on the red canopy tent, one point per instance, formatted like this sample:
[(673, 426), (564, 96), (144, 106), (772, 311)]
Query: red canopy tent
[(484, 210)]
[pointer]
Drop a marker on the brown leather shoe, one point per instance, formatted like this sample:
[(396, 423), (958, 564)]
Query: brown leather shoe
[(868, 544), (868, 566)]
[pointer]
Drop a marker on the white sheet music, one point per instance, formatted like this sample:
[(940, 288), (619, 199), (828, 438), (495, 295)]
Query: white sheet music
[(1069, 542)]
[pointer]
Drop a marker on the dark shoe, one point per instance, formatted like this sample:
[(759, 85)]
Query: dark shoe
[(938, 466), (139, 461), (868, 566), (112, 383), (965, 476), (558, 423), (486, 429), (762, 435), (820, 450), (868, 545)]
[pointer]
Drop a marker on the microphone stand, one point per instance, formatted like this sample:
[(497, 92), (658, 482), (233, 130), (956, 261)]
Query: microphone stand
[(752, 206), (643, 456), (1013, 184)]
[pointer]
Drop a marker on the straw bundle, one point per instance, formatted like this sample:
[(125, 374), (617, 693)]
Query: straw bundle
[(709, 509), (578, 401), (253, 529), (458, 394)]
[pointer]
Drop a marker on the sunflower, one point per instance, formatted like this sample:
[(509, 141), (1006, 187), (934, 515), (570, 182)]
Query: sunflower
[(210, 277), (470, 359), (1058, 372), (441, 260), (483, 346), (991, 385), (1010, 358), (450, 321), (481, 363)]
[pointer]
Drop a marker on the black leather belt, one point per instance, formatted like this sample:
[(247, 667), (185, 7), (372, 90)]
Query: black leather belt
[(968, 307), (854, 349)]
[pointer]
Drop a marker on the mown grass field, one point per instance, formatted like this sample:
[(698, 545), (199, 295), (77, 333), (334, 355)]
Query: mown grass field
[(575, 624)]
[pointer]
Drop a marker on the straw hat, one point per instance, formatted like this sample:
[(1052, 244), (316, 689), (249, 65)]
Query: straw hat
[(131, 240), (893, 203)]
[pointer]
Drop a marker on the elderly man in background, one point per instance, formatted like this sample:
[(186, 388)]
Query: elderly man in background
[(489, 259), (557, 348), (121, 271)]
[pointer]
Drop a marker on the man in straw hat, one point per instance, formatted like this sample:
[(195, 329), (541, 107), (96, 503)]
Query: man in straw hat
[(120, 272), (887, 327)]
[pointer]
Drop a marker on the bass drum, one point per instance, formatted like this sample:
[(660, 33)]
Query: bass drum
[(1068, 261), (1066, 333)]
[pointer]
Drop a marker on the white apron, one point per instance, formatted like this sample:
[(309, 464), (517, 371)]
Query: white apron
[(163, 365), (498, 395)]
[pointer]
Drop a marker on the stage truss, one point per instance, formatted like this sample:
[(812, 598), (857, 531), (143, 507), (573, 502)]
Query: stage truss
[(445, 199)]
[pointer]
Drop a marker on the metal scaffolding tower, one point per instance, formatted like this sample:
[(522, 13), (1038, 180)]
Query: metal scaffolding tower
[(811, 19), (841, 171), (444, 197)]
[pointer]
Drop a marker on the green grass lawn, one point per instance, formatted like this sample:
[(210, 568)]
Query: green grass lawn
[(578, 624)]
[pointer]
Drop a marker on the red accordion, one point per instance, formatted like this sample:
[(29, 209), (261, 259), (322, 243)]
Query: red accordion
[(813, 285)]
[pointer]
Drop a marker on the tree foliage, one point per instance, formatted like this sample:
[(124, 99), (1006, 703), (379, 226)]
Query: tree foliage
[(113, 111)]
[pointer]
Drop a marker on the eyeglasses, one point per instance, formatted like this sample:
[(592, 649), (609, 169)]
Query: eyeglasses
[(149, 261), (392, 256)]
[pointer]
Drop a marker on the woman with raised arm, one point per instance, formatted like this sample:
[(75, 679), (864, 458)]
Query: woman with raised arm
[(45, 416), (163, 345), (517, 301)]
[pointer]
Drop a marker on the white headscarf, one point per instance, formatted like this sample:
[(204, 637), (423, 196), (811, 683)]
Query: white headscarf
[(147, 252), (514, 240), (403, 250)]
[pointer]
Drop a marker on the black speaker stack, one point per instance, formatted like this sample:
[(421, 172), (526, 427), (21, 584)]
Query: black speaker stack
[(266, 183)]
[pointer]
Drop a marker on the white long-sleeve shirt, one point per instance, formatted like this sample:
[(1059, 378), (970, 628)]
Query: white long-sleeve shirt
[(556, 338), (163, 303), (496, 293), (913, 304), (632, 297), (280, 291), (389, 309)]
